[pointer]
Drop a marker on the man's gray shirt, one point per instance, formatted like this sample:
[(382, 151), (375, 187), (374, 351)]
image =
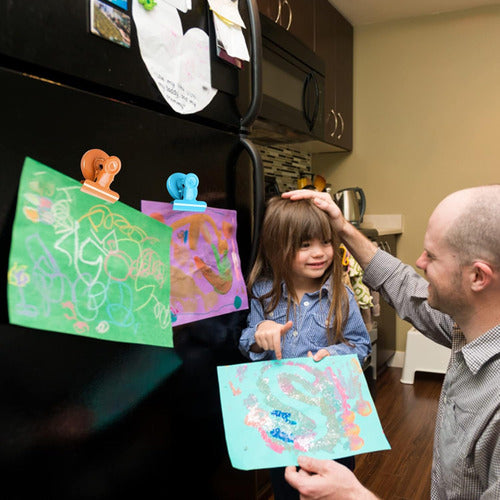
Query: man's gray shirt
[(466, 462)]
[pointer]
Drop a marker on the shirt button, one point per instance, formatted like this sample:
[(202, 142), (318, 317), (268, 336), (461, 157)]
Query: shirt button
[(306, 303), (295, 333)]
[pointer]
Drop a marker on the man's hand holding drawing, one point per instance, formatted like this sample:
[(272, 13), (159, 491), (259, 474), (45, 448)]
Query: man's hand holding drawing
[(325, 480)]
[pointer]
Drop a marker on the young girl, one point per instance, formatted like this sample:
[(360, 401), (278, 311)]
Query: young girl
[(300, 305)]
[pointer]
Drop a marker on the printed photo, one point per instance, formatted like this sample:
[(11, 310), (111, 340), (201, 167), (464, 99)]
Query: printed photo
[(110, 23)]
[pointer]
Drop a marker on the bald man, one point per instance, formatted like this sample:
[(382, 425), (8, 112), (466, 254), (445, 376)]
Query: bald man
[(457, 305)]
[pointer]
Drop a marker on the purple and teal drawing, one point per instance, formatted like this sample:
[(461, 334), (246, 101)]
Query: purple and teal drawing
[(205, 268)]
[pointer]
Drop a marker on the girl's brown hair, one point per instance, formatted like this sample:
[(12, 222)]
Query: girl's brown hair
[(287, 224)]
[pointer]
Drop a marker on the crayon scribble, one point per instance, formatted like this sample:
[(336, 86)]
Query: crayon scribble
[(81, 266)]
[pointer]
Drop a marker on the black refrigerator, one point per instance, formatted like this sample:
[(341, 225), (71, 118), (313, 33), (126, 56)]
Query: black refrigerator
[(63, 91)]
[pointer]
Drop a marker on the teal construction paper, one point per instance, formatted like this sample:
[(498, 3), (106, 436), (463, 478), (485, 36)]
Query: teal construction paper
[(85, 266), (275, 411)]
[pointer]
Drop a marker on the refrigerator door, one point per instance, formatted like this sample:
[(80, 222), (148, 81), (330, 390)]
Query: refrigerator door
[(53, 39), (58, 435)]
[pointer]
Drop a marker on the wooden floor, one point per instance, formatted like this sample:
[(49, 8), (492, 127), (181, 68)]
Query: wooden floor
[(408, 414)]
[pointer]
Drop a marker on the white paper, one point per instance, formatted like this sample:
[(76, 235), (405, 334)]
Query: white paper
[(182, 5), (178, 62), (228, 10), (232, 39)]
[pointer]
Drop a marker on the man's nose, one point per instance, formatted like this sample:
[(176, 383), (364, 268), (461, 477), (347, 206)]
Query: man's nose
[(420, 263)]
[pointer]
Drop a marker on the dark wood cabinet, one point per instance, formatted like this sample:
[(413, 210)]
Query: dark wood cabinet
[(318, 25), (334, 44), (296, 16), (270, 8)]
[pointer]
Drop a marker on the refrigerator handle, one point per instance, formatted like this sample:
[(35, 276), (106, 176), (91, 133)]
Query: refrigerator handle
[(256, 68), (258, 196)]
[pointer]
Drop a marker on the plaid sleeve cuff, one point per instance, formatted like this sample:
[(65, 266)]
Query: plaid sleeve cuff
[(379, 269)]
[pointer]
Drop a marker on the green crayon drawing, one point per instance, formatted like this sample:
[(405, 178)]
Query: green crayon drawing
[(84, 266)]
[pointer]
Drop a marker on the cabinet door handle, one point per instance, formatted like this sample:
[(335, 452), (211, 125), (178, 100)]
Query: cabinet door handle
[(277, 20), (332, 111), (290, 14), (341, 127)]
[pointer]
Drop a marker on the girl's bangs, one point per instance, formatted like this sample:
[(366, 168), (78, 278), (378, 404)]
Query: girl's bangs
[(314, 224)]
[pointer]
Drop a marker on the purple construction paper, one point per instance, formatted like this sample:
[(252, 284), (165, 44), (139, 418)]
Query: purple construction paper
[(205, 268)]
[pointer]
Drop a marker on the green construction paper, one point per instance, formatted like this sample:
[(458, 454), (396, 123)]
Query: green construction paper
[(85, 266)]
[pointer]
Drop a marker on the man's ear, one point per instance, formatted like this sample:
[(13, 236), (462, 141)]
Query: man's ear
[(481, 275)]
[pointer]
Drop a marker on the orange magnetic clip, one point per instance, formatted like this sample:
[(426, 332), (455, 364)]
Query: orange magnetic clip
[(99, 170)]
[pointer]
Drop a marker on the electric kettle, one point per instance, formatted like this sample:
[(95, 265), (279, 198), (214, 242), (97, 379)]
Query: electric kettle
[(352, 203)]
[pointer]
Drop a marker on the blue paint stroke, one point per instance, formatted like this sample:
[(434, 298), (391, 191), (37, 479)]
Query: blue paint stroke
[(279, 434), (285, 415)]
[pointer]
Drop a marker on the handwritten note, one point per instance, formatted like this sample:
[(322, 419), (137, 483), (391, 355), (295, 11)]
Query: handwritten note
[(275, 411), (206, 277), (178, 62), (85, 266)]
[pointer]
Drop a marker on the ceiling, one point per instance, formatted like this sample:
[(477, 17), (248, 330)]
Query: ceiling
[(360, 12)]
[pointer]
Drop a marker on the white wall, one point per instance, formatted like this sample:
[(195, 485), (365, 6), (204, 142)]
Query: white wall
[(426, 117)]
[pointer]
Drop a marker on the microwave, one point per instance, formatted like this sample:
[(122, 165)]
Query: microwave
[(293, 89)]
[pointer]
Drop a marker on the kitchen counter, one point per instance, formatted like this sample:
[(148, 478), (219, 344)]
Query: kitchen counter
[(385, 224)]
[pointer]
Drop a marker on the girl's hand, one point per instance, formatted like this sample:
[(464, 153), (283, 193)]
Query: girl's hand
[(268, 336), (322, 353), (321, 200)]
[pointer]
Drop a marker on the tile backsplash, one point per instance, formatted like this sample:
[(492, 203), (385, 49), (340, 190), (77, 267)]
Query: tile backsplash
[(286, 165)]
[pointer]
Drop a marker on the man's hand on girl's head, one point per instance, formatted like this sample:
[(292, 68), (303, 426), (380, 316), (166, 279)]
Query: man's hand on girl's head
[(324, 201)]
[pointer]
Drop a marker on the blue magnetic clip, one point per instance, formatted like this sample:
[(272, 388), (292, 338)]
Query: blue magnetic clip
[(183, 188)]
